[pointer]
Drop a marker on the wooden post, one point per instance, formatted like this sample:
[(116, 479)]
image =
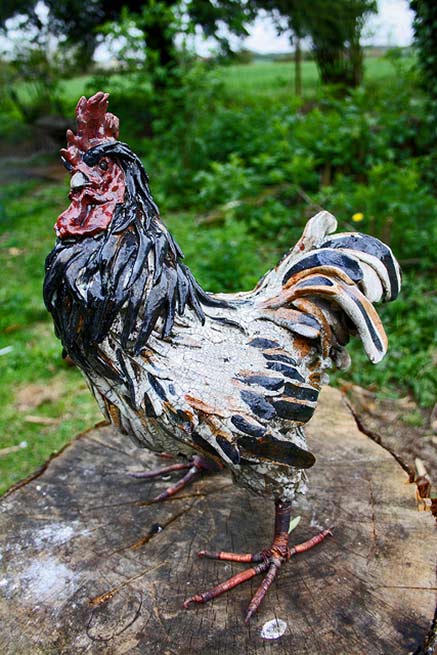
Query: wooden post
[(88, 566)]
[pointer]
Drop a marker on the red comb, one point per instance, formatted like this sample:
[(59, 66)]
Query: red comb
[(94, 123)]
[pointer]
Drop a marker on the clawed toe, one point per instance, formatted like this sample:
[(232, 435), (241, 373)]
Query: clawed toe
[(268, 561)]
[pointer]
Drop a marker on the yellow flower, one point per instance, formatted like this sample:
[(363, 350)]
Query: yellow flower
[(357, 217)]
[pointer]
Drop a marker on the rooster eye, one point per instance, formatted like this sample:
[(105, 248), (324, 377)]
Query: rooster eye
[(103, 164), (67, 164)]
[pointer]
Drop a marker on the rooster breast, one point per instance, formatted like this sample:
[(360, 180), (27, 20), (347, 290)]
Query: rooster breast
[(237, 389)]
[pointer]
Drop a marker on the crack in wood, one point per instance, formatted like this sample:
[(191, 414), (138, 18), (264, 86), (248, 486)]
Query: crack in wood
[(107, 595), (117, 633), (151, 534), (430, 645), (377, 438), (374, 545)]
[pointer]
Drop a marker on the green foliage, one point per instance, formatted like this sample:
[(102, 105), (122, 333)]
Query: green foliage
[(347, 156), (410, 365), (225, 182), (425, 32), (157, 24), (215, 255), (34, 64), (242, 56), (398, 208), (31, 82)]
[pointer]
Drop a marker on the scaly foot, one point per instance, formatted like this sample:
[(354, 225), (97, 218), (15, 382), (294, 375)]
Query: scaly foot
[(267, 561)]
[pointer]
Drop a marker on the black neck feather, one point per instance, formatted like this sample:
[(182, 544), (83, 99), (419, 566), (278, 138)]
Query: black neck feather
[(133, 270)]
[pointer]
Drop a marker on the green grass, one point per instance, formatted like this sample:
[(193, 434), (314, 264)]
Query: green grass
[(269, 77), (260, 78), (34, 362), (380, 68)]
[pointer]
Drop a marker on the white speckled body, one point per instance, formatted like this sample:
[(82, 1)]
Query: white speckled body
[(198, 369), (184, 391)]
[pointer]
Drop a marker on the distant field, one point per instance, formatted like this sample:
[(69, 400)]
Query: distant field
[(260, 78), (265, 77)]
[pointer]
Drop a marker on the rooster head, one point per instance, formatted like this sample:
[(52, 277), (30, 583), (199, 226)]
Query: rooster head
[(97, 184)]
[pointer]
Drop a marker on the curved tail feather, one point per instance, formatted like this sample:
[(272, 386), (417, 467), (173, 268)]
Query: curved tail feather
[(335, 280)]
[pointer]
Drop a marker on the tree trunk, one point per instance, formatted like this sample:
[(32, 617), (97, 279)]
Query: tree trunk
[(298, 69), (356, 60), (330, 64), (160, 43), (88, 566), (160, 51)]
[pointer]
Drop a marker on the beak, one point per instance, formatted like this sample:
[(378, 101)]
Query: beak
[(78, 181)]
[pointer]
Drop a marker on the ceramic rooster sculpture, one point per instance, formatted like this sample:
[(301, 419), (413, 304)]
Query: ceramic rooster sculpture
[(216, 380)]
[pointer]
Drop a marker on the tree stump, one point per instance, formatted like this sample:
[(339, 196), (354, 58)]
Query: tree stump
[(88, 566)]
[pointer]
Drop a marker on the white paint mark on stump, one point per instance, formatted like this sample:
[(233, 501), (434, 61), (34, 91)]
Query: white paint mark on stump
[(273, 629), (54, 534), (48, 580)]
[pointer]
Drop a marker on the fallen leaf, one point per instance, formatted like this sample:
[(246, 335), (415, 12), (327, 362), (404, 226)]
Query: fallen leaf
[(12, 328), (15, 252), (294, 523)]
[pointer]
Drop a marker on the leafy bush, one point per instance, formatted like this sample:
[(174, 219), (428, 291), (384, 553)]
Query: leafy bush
[(215, 254), (410, 365), (397, 207), (425, 32)]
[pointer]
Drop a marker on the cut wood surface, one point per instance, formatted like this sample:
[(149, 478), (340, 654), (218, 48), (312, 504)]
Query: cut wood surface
[(88, 566)]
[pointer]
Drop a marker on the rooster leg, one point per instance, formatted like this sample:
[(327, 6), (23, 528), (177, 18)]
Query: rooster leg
[(269, 561), (166, 455), (197, 466), (147, 475)]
